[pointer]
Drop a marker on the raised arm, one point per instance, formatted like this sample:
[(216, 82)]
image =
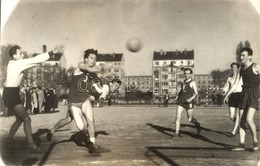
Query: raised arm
[(27, 63)]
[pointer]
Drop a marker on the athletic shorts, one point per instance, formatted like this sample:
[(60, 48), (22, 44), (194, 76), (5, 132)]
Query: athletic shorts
[(78, 105), (187, 105), (11, 96), (249, 98), (234, 99)]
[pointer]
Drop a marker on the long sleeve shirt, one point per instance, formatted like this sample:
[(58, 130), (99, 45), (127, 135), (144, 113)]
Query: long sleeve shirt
[(231, 82), (15, 69)]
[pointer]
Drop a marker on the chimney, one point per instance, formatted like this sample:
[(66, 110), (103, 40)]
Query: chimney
[(44, 48), (161, 52)]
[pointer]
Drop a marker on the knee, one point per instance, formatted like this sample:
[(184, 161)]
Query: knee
[(27, 119), (249, 121), (232, 117), (81, 126)]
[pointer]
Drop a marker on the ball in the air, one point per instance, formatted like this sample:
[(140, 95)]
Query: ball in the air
[(134, 45)]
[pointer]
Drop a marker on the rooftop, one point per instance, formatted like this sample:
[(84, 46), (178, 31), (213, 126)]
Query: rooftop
[(173, 55)]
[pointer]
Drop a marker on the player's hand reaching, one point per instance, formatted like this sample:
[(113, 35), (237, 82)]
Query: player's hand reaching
[(59, 49), (225, 100)]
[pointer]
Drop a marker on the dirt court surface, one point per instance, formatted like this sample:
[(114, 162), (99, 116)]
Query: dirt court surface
[(134, 135)]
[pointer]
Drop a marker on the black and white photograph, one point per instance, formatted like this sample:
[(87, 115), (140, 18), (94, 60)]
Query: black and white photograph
[(130, 82)]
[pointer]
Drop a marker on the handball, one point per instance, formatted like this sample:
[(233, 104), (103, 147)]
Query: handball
[(134, 45)]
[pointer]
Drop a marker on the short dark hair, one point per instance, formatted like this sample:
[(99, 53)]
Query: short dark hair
[(116, 81), (248, 50), (234, 63), (13, 50), (188, 69), (90, 51)]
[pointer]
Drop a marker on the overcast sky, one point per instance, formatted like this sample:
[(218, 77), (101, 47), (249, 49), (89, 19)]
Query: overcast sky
[(212, 28)]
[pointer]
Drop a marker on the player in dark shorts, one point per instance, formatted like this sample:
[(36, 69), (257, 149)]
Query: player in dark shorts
[(250, 97), (82, 85), (185, 100), (232, 91), (11, 91), (113, 86)]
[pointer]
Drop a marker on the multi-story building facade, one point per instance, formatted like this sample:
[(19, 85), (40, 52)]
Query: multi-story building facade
[(114, 65), (203, 81), (167, 70)]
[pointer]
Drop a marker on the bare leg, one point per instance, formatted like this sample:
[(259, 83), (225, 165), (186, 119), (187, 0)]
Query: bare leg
[(88, 112), (251, 123), (178, 118), (242, 127), (14, 127), (63, 122), (236, 121), (193, 120), (22, 116)]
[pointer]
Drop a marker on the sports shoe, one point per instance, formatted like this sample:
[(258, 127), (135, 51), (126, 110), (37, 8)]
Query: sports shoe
[(241, 147), (177, 135), (92, 148), (231, 135), (101, 102), (34, 148), (255, 146), (49, 136), (197, 125)]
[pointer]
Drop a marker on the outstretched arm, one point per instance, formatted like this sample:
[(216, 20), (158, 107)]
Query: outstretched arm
[(30, 62)]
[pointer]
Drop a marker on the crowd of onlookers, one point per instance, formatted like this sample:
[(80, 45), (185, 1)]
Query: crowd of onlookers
[(37, 100)]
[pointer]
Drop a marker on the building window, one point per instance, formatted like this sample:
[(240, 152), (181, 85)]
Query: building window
[(173, 63), (116, 70), (165, 77), (164, 69), (156, 90), (156, 74), (165, 83), (156, 63), (156, 84), (164, 63)]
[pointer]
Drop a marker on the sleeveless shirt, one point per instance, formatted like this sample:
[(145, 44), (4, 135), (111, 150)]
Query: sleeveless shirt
[(186, 92), (250, 79), (79, 88)]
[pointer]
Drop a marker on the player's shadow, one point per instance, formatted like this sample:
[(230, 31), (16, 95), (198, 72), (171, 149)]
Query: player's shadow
[(191, 134), (79, 138), (207, 129), (37, 134)]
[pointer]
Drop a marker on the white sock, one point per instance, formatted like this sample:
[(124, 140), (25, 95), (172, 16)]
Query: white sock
[(92, 140)]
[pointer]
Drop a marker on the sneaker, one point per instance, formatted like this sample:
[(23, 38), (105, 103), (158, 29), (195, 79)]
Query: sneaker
[(101, 102), (34, 148), (255, 146), (49, 136), (241, 147), (92, 148), (177, 135), (197, 125), (231, 135)]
